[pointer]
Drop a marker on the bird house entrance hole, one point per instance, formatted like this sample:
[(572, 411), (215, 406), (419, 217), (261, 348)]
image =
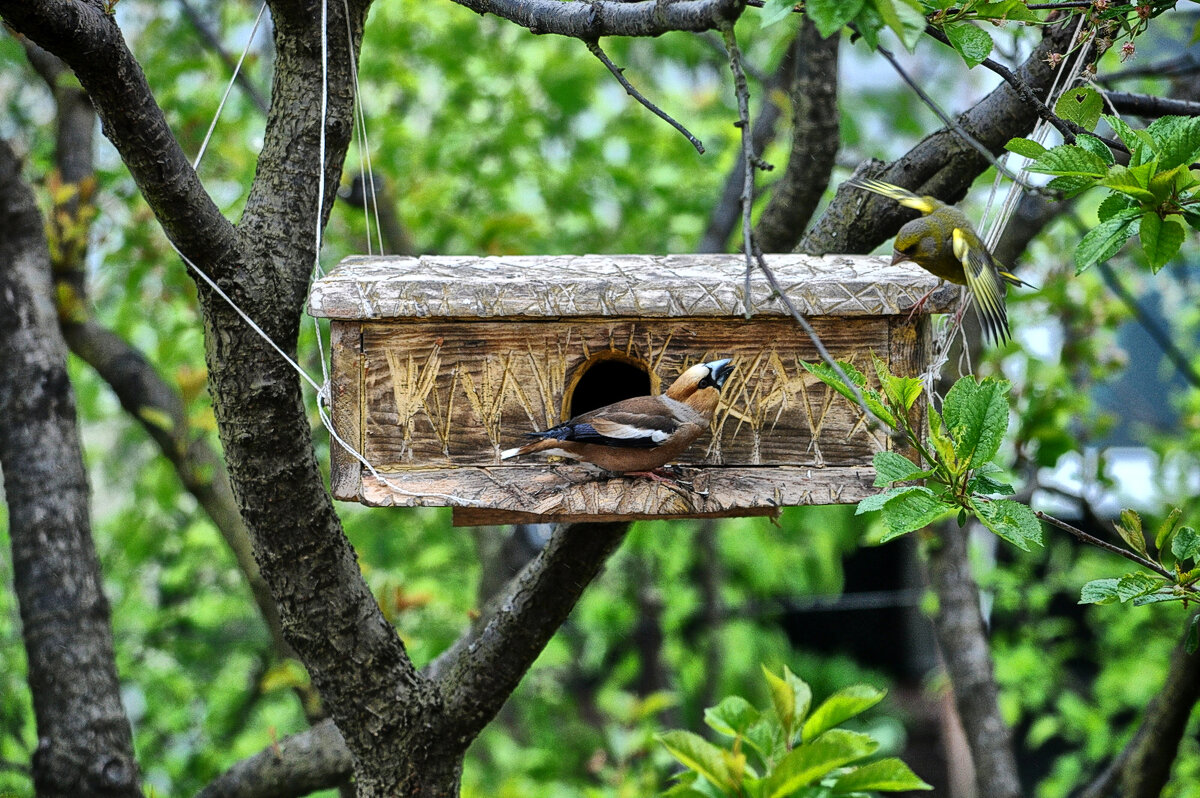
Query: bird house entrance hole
[(441, 363), (605, 378)]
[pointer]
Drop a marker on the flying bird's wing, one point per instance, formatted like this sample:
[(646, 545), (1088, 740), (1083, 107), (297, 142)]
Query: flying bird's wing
[(900, 195), (983, 278)]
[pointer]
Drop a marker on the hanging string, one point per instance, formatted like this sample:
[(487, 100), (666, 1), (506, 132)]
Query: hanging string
[(236, 71)]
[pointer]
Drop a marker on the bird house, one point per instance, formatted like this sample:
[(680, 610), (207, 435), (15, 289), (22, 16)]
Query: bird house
[(441, 363)]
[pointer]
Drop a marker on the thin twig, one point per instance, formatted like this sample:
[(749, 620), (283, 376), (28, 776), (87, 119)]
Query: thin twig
[(753, 253), (951, 123), (1104, 544), (748, 159), (1023, 90), (594, 46)]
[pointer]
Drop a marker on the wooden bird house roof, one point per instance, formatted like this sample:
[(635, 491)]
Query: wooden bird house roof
[(640, 286)]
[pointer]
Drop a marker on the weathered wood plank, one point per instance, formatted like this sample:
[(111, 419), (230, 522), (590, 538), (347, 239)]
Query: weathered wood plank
[(346, 398), (639, 286), (447, 393), (578, 492)]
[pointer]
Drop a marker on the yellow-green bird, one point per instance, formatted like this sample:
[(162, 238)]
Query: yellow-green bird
[(943, 242)]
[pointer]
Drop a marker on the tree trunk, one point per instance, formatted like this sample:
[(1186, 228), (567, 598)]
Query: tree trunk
[(85, 746)]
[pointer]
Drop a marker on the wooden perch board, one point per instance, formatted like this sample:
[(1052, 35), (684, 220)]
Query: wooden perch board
[(441, 363)]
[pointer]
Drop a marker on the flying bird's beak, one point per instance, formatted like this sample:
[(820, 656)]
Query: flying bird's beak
[(719, 371)]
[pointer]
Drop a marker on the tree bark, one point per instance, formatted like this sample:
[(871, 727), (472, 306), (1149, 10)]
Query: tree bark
[(942, 164), (85, 746), (962, 638)]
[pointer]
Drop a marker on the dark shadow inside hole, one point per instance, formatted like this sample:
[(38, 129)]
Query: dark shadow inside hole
[(608, 381)]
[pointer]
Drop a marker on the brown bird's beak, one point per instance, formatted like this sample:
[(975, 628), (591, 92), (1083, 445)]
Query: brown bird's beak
[(899, 257)]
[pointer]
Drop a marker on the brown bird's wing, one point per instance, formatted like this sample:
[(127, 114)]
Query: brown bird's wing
[(643, 422), (984, 281)]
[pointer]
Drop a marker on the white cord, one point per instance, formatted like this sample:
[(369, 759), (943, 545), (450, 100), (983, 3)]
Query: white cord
[(236, 71)]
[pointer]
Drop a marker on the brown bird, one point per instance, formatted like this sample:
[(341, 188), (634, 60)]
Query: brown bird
[(638, 435)]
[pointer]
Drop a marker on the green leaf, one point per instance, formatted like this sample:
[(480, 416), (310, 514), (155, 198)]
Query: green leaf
[(766, 737), (791, 697), (830, 16), (976, 415), (732, 717), (885, 775), (782, 698), (982, 483), (1071, 185), (1156, 597), (807, 764), (1128, 182), (1135, 585), (914, 508), (871, 397), (1186, 544), (1070, 159), (1140, 149), (699, 755), (972, 43), (1081, 105), (839, 707), (1027, 148), (901, 392), (1130, 530), (774, 11), (1178, 138), (1009, 519), (1099, 591), (1103, 241), (1095, 145), (1115, 204), (1014, 10), (1162, 541), (1192, 217), (1161, 239), (892, 467), (876, 502), (905, 17)]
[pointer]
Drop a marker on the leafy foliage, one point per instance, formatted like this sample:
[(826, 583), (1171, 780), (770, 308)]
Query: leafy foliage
[(1176, 552), (787, 750), (962, 441), (1152, 197)]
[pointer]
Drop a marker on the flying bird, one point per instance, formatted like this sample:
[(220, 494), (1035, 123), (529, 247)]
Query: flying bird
[(639, 435), (943, 242)]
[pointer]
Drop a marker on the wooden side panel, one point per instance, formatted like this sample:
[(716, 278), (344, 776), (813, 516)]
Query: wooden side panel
[(574, 492), (346, 398), (458, 393)]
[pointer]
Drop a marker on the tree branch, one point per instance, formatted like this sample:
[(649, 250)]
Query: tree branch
[(1026, 92), (85, 744), (941, 164), (477, 674), (1142, 768), (593, 20), (214, 43), (618, 73), (144, 395), (1149, 106), (314, 759), (815, 139)]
